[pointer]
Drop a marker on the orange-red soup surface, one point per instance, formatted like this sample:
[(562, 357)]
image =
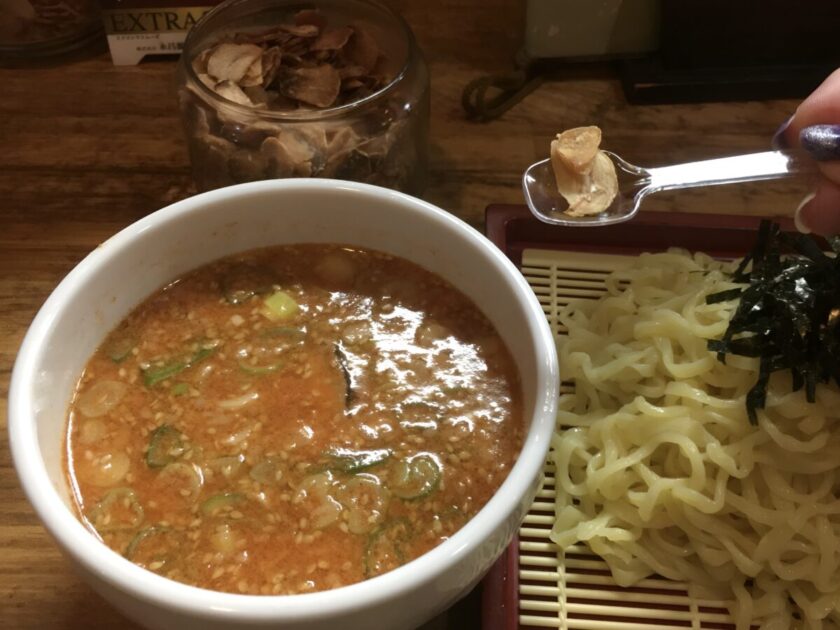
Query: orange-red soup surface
[(293, 419)]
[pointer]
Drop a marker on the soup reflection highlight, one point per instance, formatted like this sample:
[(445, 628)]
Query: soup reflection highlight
[(292, 419)]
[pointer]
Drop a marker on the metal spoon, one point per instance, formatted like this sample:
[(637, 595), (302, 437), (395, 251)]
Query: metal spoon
[(635, 183)]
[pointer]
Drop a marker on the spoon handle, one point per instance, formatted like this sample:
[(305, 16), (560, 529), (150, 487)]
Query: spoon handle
[(729, 170)]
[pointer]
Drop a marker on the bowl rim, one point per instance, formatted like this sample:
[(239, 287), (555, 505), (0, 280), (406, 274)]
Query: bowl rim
[(106, 565)]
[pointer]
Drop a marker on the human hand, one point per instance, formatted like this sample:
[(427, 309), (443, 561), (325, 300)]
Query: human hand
[(815, 127)]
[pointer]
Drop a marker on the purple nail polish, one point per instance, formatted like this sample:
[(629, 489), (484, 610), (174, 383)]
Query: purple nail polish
[(780, 141), (822, 142)]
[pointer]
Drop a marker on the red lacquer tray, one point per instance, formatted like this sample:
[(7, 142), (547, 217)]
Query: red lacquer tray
[(513, 229)]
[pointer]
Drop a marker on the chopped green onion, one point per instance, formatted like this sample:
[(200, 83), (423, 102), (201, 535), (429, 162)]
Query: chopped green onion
[(102, 516), (267, 471), (165, 446), (203, 353), (156, 548), (119, 348), (449, 520), (415, 478), (243, 281), (280, 305), (366, 501), (384, 550), (190, 472), (179, 389), (260, 370), (140, 537), (227, 465), (349, 461), (154, 375), (316, 490), (219, 502)]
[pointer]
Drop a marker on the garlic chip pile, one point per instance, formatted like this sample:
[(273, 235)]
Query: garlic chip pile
[(307, 64), (585, 175)]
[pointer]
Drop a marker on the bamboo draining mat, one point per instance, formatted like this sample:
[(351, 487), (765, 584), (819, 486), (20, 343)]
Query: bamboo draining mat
[(572, 589)]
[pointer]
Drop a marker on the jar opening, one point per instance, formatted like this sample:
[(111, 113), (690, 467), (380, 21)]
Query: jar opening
[(239, 16)]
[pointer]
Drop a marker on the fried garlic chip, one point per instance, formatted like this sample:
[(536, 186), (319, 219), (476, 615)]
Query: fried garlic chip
[(585, 175)]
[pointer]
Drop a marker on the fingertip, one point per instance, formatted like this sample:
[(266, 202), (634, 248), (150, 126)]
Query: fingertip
[(781, 139), (820, 212), (799, 221), (821, 107)]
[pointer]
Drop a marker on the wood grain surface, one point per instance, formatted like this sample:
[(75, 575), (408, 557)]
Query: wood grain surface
[(88, 148)]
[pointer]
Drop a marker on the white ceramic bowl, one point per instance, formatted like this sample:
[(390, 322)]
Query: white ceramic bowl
[(119, 274)]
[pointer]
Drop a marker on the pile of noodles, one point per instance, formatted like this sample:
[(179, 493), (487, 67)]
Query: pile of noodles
[(659, 470)]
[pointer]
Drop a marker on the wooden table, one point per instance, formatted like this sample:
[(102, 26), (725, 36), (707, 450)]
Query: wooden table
[(88, 148)]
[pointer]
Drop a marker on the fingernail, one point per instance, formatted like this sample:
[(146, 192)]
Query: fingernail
[(780, 141), (797, 216), (822, 142)]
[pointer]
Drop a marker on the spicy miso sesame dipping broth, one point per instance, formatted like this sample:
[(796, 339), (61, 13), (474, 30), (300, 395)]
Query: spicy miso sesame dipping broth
[(293, 419)]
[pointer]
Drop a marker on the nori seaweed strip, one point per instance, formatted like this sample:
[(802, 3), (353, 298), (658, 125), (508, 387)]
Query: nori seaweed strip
[(745, 347), (798, 379), (788, 316), (804, 245), (758, 249), (757, 396), (341, 359), (810, 386), (717, 345), (723, 296)]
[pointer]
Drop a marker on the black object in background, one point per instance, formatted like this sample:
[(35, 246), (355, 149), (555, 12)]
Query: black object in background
[(737, 50)]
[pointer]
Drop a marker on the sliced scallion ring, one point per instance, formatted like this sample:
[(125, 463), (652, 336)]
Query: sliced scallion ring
[(280, 306), (224, 501), (366, 500), (119, 348), (142, 535), (165, 446), (351, 461), (190, 472), (260, 370), (416, 477), (385, 547), (107, 516)]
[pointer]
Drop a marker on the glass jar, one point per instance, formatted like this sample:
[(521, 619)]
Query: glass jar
[(379, 137), (42, 28)]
